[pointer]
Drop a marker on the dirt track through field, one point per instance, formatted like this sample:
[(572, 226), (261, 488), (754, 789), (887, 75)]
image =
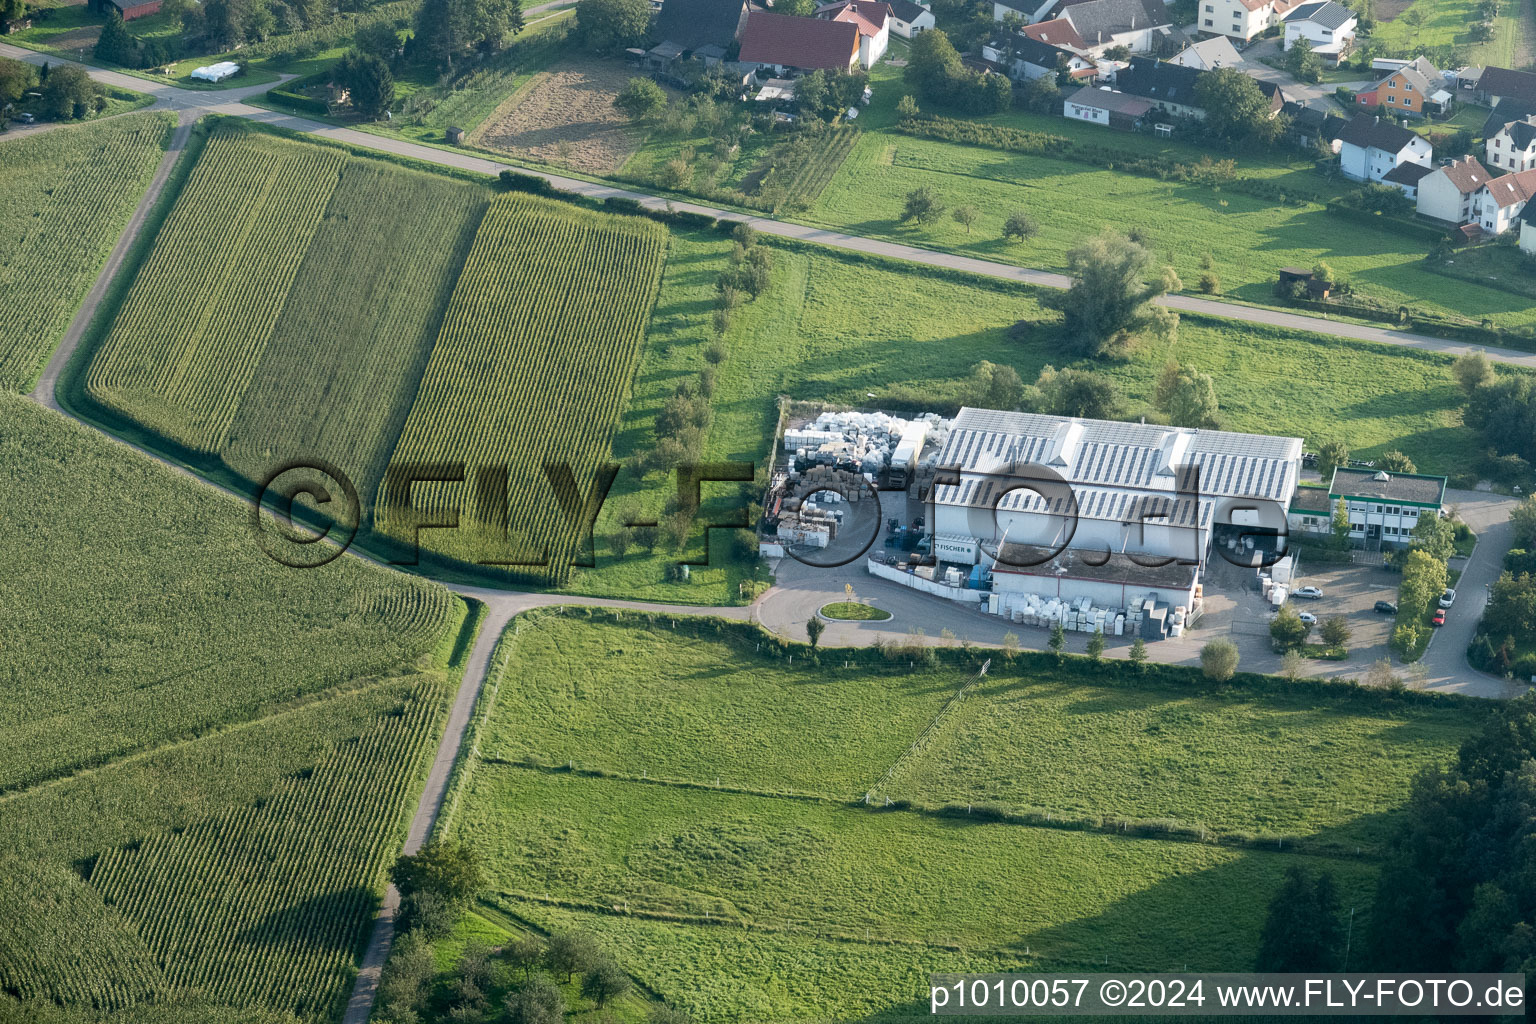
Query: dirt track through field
[(566, 116)]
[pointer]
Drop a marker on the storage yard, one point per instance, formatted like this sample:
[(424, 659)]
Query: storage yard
[(1094, 525)]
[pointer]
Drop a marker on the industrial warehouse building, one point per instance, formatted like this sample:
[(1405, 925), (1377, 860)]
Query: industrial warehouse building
[(1146, 498)]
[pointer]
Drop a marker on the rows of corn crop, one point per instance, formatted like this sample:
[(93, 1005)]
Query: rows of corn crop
[(193, 327), (65, 196), (343, 361), (532, 367), (266, 904)]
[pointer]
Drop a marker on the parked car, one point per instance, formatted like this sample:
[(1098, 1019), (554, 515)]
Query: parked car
[(1439, 619), (1448, 598), (1308, 618), (1311, 593), (25, 118), (1386, 607)]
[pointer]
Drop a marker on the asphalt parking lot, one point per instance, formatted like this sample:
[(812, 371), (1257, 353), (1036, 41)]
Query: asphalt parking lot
[(1235, 605)]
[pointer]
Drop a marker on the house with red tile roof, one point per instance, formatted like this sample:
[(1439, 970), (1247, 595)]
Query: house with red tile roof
[(873, 19), (1504, 199), (1450, 192), (787, 44)]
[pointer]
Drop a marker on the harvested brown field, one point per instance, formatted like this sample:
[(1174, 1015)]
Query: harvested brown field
[(566, 116)]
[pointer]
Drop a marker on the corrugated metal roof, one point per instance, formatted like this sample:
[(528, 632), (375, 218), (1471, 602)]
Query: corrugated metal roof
[(1113, 468)]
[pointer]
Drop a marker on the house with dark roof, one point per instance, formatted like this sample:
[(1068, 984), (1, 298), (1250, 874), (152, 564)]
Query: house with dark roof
[(691, 24), (1025, 58), (1329, 26), (1370, 147), (1308, 124), (1528, 229), (1449, 193), (873, 20), (1513, 146), (1499, 84), (1505, 111), (1405, 178), (785, 44), (1105, 107), (1137, 25), (1503, 199), (909, 19), (1172, 87)]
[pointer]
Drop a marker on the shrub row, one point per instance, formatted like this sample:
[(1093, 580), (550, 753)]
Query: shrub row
[(1398, 225)]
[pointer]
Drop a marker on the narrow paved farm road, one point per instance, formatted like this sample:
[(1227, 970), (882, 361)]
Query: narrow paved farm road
[(228, 102), (48, 381)]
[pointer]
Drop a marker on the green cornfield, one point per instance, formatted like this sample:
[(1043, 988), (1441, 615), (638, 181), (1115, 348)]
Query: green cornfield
[(345, 357), (64, 198), (532, 367), (195, 323), (264, 904)]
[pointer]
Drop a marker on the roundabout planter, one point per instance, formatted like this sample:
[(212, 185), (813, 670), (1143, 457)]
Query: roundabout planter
[(852, 611)]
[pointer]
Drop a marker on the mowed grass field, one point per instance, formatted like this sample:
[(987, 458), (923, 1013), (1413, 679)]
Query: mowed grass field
[(530, 371), (212, 756), (714, 830), (1247, 239), (64, 198)]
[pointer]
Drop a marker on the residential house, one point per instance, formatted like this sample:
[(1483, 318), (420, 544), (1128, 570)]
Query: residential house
[(690, 24), (1370, 147), (873, 19), (1329, 26), (1137, 25), (1208, 55), (1026, 58), (1103, 106), (1506, 110), (1416, 89), (1450, 192), (1171, 87), (1503, 200), (1405, 178), (909, 19), (1308, 124), (1499, 84), (1528, 229), (1513, 147), (1240, 19), (784, 44), (1383, 507)]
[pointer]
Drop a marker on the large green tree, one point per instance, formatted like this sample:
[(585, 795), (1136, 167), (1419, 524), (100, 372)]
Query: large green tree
[(16, 77), (1455, 891), (369, 81), (1303, 931), (611, 26), (115, 45), (1236, 109), (1111, 302), (448, 30), (68, 92)]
